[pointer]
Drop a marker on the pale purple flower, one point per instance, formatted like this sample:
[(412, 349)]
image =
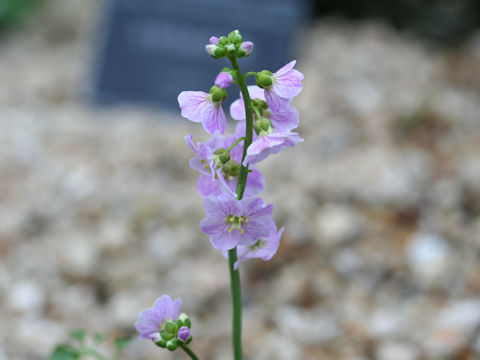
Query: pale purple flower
[(232, 222), (183, 333), (287, 83), (213, 40), (283, 120), (197, 106), (150, 321), (270, 144), (208, 186), (264, 248), (247, 46), (223, 80), (203, 160)]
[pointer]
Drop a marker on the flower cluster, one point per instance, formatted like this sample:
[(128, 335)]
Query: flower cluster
[(241, 220), (238, 221)]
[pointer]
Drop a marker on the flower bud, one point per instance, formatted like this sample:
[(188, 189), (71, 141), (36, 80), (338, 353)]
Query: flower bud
[(171, 327), (184, 320), (231, 168), (264, 79), (183, 334), (230, 49), (222, 154), (172, 344), (235, 37), (263, 126), (245, 49), (217, 94), (213, 40), (222, 40), (223, 80), (161, 343), (165, 335)]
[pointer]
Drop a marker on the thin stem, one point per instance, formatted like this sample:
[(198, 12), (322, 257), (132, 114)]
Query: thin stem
[(189, 352), (237, 304), (250, 73), (242, 181), (242, 177), (235, 143)]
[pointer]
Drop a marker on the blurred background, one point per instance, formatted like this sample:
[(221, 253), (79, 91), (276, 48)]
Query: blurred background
[(380, 257)]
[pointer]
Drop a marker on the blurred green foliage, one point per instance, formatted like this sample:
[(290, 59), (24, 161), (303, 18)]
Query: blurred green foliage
[(13, 11)]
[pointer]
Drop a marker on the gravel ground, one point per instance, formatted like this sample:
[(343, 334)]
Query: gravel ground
[(380, 257)]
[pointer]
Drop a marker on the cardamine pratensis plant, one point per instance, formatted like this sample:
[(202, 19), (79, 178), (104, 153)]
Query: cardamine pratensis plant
[(237, 221)]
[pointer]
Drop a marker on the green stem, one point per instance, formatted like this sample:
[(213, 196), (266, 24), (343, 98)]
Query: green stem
[(189, 352), (250, 73), (242, 181), (235, 144)]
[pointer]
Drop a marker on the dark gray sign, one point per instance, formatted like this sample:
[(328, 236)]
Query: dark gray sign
[(153, 49)]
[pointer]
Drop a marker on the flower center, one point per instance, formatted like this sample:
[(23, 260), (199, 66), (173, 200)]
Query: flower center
[(236, 223)]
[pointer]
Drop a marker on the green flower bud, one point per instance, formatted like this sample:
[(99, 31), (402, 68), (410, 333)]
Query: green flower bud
[(189, 340), (161, 343), (230, 49), (222, 40), (171, 327), (231, 168), (223, 155), (263, 126), (184, 320), (165, 335), (264, 79), (217, 94), (219, 52), (172, 344), (235, 37)]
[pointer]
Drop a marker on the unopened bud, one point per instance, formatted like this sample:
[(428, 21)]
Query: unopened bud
[(230, 49), (217, 94), (183, 334), (171, 327), (213, 40), (161, 343), (231, 168), (223, 80), (172, 344), (166, 335), (245, 49), (184, 319), (264, 79), (222, 40), (235, 37), (223, 155)]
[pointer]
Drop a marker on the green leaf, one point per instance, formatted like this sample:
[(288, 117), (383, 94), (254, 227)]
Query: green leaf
[(64, 352), (121, 342), (78, 334)]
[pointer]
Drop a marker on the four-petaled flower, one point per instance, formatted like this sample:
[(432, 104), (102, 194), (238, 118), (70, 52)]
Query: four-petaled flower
[(151, 321), (232, 222), (198, 106), (287, 83)]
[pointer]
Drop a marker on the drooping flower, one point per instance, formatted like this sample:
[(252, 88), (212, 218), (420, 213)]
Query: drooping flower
[(232, 222), (280, 87), (264, 248), (150, 321), (198, 106), (283, 120), (269, 144), (223, 80)]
